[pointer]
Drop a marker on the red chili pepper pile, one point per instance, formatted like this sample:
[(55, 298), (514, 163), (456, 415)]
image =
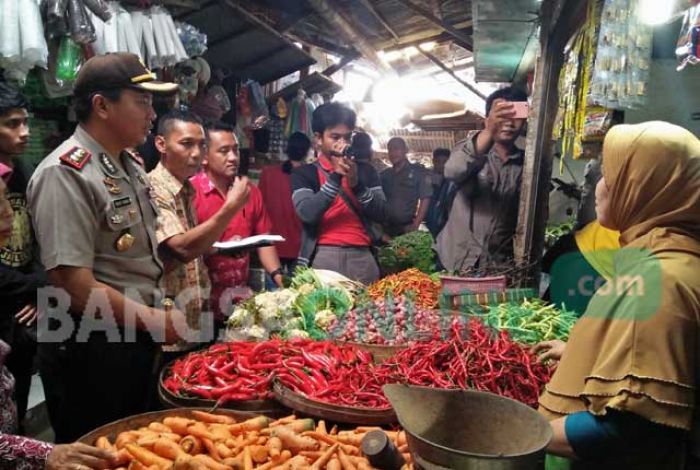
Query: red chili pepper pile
[(345, 375), (483, 361), (241, 371)]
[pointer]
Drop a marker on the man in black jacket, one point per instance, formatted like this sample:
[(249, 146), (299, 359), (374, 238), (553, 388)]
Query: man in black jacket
[(21, 273), (336, 199)]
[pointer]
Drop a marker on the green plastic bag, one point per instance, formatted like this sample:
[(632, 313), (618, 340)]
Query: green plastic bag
[(68, 60), (552, 462)]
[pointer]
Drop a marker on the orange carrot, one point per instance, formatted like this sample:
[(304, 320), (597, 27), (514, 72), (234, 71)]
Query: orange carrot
[(210, 463), (321, 428), (200, 430), (178, 425), (253, 424), (247, 459), (274, 446), (191, 444), (345, 461), (348, 449), (168, 449), (224, 451), (334, 464), (212, 418), (159, 427), (320, 464), (147, 457)]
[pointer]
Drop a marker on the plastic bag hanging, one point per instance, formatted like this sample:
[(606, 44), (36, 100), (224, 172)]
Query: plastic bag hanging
[(81, 29), (55, 14), (68, 60), (35, 52), (9, 33), (99, 9)]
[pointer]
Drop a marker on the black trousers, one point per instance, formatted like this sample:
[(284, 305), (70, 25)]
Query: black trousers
[(93, 383), (20, 363)]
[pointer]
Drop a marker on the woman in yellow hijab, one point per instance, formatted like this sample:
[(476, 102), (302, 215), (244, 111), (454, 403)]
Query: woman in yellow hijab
[(623, 394)]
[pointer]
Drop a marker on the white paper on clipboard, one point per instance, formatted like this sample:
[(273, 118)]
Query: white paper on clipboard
[(250, 242)]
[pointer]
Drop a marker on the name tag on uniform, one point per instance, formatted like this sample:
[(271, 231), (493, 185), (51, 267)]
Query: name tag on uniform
[(121, 202)]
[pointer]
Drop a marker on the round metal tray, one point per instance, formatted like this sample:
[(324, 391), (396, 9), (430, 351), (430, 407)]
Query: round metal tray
[(269, 407), (113, 429), (333, 413)]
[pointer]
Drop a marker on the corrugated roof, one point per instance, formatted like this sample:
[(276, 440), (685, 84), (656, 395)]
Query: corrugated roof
[(247, 48)]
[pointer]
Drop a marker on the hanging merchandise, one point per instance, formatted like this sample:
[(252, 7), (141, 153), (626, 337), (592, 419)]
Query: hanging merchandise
[(281, 108), (68, 60), (81, 28), (688, 51), (299, 118), (259, 114), (574, 86), (277, 140), (621, 72), (22, 43), (194, 41), (150, 34)]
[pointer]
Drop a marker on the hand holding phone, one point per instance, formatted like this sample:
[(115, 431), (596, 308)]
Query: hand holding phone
[(521, 109)]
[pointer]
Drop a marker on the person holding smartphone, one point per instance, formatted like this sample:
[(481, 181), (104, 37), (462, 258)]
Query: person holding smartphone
[(488, 167), (337, 199)]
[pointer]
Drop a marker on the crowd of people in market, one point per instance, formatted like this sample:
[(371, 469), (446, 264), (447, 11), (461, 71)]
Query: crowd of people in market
[(116, 265)]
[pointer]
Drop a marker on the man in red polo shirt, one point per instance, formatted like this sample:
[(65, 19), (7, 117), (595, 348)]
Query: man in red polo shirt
[(229, 274), (336, 199)]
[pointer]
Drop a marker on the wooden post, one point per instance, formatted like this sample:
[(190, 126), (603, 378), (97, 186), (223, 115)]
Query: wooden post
[(537, 170)]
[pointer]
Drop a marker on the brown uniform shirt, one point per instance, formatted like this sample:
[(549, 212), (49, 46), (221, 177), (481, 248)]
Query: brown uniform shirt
[(80, 214)]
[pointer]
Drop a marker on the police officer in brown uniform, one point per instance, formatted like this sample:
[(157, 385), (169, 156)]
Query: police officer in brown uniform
[(95, 222)]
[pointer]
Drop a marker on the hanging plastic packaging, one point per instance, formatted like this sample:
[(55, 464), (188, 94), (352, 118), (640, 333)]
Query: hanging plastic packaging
[(81, 29), (35, 52), (99, 9), (193, 40), (622, 65), (9, 32), (55, 14), (111, 32), (68, 61)]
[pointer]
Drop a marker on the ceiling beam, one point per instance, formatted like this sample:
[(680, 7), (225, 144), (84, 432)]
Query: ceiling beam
[(373, 10), (459, 37), (234, 5), (321, 43), (341, 63), (330, 14), (450, 72), (437, 34)]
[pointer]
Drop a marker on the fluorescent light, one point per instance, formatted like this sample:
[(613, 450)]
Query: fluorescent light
[(656, 12)]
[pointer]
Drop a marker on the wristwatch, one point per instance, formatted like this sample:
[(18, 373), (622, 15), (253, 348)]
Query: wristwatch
[(277, 271)]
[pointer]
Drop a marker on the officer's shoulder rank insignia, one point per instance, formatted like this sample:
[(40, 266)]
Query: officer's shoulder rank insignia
[(76, 157)]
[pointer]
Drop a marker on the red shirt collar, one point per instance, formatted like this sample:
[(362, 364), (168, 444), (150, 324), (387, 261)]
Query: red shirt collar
[(325, 162)]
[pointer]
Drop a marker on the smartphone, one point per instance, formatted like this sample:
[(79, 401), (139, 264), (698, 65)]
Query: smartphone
[(521, 109)]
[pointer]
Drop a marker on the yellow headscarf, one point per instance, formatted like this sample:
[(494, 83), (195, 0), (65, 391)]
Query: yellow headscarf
[(598, 245), (636, 349)]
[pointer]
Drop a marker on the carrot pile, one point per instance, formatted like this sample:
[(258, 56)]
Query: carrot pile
[(217, 442), (425, 290)]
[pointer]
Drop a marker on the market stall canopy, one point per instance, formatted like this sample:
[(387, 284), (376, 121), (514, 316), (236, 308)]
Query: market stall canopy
[(505, 38), (244, 45)]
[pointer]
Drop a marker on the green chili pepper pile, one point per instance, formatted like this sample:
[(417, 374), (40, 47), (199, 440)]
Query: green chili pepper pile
[(531, 321)]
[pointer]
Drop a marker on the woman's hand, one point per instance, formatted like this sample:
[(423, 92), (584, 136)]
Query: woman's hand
[(549, 350), (78, 456)]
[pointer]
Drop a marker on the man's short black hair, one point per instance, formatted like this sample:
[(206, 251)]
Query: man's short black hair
[(83, 103), (218, 126), (441, 152), (298, 146), (508, 94), (11, 98), (362, 144), (397, 141), (166, 122), (332, 114)]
